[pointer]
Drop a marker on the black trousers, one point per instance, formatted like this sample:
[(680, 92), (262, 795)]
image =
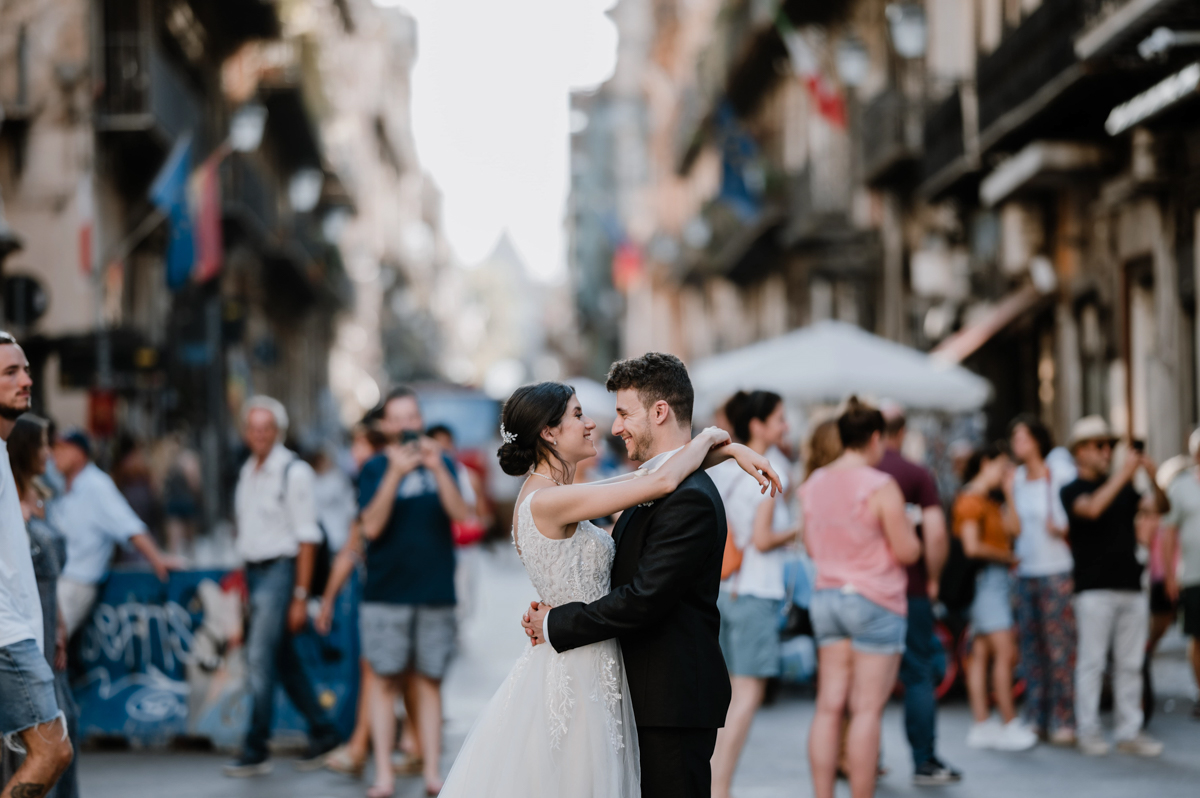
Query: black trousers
[(675, 762)]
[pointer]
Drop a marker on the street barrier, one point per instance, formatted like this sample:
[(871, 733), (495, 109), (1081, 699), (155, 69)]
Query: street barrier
[(159, 662)]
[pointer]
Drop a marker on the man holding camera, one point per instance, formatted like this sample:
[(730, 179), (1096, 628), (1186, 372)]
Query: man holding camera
[(409, 495), (1109, 603)]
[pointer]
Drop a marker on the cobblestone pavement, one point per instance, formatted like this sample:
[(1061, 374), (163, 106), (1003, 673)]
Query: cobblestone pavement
[(775, 762)]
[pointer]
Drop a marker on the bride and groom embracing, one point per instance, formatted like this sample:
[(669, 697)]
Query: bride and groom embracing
[(624, 687)]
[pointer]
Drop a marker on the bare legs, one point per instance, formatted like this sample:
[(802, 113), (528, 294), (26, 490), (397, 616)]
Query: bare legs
[(861, 682), (747, 698), (383, 733), (998, 650), (48, 755), (428, 694)]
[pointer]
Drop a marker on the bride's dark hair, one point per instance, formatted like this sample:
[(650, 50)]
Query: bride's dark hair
[(527, 412)]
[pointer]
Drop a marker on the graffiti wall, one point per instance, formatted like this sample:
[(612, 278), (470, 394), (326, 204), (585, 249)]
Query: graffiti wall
[(157, 662)]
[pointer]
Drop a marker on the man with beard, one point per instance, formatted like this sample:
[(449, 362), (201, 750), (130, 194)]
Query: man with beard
[(29, 714)]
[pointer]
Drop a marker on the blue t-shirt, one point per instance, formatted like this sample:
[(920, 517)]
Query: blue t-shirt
[(412, 561)]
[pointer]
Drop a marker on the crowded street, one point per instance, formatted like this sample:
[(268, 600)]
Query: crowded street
[(773, 764), (599, 398)]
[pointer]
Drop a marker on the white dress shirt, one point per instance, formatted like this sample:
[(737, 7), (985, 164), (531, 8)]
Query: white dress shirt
[(95, 518), (274, 507)]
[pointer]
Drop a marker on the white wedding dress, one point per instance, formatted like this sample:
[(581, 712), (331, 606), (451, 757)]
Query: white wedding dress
[(561, 725)]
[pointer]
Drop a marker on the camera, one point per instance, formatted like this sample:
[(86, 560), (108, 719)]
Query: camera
[(1138, 445)]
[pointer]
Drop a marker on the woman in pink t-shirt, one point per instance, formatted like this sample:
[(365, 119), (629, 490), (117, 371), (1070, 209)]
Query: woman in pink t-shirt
[(860, 539)]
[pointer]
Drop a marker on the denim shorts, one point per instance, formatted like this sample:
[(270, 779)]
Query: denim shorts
[(839, 615), (750, 635), (26, 688), (399, 637), (991, 611)]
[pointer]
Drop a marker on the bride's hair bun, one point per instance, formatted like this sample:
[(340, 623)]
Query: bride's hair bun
[(527, 412), (514, 460)]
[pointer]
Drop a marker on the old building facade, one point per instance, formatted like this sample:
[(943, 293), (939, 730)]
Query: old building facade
[(1008, 183)]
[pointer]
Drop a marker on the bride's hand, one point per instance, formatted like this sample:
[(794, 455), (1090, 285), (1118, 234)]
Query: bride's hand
[(757, 466), (718, 436)]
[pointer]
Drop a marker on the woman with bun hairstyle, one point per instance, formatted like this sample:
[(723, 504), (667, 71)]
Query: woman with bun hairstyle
[(859, 539), (562, 724), (751, 596)]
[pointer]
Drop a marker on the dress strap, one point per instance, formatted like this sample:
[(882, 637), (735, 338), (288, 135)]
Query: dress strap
[(521, 511)]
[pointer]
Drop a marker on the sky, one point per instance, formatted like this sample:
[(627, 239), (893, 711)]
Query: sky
[(490, 115)]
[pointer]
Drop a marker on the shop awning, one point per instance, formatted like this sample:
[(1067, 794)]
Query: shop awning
[(827, 361), (968, 340)]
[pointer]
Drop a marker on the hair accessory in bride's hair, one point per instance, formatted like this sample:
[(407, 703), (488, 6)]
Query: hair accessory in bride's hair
[(508, 437)]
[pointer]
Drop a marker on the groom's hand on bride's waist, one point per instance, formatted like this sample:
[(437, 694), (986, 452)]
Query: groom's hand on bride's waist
[(532, 622)]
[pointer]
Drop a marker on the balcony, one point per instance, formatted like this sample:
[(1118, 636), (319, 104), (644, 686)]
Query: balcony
[(250, 199), (947, 163), (142, 92), (891, 139)]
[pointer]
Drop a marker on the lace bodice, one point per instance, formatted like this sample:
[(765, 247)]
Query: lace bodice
[(573, 569)]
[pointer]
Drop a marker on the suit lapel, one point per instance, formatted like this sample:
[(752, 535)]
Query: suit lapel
[(622, 522)]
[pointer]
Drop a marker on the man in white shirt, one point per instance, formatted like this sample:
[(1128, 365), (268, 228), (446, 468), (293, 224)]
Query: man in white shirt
[(95, 518), (277, 538), (29, 714)]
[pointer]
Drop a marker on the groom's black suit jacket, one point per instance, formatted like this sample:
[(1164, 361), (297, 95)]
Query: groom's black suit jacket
[(663, 608)]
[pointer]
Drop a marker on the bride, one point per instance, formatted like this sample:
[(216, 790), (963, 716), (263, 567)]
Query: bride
[(560, 726)]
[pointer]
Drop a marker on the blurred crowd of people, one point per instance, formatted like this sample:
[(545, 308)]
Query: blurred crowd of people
[(1066, 566)]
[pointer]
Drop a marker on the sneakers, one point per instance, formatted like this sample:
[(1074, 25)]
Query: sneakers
[(1014, 736), (983, 734), (1093, 745), (1142, 745), (1011, 736), (934, 773), (246, 766)]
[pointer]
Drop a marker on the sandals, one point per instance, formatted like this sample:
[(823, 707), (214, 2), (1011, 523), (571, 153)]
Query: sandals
[(404, 764), (340, 760)]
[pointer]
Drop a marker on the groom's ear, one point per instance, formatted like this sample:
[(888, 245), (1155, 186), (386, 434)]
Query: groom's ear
[(660, 412)]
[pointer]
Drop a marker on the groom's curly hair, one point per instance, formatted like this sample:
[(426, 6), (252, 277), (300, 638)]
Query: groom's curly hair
[(655, 376)]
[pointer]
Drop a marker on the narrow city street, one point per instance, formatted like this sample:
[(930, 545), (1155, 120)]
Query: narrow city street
[(775, 762)]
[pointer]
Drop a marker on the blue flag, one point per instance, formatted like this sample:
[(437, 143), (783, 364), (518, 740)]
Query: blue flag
[(169, 193)]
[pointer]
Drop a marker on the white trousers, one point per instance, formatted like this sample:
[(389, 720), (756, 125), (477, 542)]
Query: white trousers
[(75, 601), (1116, 620)]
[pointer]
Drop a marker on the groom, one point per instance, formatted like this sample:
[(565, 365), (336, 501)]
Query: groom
[(665, 579)]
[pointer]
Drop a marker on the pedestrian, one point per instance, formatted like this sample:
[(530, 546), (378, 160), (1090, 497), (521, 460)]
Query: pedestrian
[(1182, 540), (917, 666), (181, 499), (408, 498), (277, 539), (28, 451), (95, 518), (751, 596), (333, 496), (30, 719), (351, 757), (986, 525), (823, 447), (860, 540), (1044, 586), (1111, 610)]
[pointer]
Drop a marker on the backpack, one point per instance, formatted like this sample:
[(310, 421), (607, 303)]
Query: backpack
[(957, 586), (323, 559)]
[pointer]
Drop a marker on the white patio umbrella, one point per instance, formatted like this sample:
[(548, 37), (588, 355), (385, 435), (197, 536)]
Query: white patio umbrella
[(828, 361)]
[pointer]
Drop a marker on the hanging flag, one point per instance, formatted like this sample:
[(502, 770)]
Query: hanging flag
[(204, 195), (84, 211), (169, 193), (806, 65)]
